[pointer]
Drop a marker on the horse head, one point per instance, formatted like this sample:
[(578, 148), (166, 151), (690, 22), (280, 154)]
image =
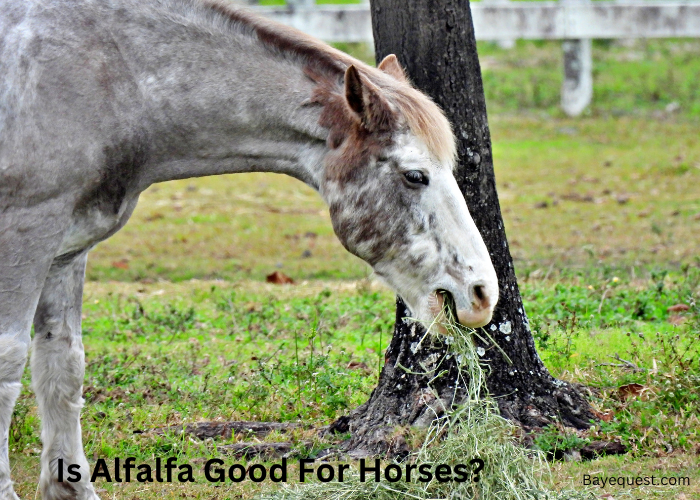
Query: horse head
[(394, 201)]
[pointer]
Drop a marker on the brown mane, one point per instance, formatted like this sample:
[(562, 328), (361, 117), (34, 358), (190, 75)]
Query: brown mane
[(422, 115)]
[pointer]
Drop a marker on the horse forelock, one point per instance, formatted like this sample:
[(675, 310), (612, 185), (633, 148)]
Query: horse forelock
[(422, 116), (427, 121)]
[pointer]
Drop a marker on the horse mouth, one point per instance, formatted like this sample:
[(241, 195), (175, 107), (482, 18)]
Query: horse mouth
[(444, 308), (449, 306)]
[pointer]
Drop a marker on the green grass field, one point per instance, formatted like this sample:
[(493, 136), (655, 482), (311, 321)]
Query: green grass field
[(603, 218)]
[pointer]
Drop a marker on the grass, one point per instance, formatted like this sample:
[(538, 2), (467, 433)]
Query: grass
[(223, 221), (630, 78), (572, 475), (602, 215), (576, 193), (169, 353), (629, 345), (165, 354)]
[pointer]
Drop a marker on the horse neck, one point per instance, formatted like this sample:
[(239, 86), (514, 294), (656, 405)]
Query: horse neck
[(219, 102)]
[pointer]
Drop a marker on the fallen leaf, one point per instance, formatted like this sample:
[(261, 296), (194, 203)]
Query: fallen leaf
[(155, 216), (678, 308), (357, 365), (632, 391), (605, 417), (279, 278), (121, 264)]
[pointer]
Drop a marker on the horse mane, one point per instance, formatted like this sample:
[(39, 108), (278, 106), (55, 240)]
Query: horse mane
[(423, 117)]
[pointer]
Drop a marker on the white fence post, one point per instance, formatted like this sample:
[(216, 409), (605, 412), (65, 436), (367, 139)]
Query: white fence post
[(577, 87)]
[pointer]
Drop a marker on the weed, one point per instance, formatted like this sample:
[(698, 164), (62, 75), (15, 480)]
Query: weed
[(555, 442)]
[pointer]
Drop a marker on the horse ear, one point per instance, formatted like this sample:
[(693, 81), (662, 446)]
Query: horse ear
[(391, 66), (367, 102), (354, 90)]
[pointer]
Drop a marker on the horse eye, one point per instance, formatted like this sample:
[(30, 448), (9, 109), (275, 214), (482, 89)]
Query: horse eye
[(416, 177)]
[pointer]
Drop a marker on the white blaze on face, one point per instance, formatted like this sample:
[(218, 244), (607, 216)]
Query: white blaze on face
[(444, 250)]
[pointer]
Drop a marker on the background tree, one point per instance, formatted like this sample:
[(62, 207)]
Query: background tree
[(434, 41)]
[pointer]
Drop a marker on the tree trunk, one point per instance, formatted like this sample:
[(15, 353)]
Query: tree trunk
[(434, 40)]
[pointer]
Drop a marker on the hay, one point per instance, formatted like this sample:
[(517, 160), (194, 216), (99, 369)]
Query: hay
[(473, 430)]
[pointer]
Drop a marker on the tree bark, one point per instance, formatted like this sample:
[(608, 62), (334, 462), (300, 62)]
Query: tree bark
[(434, 41)]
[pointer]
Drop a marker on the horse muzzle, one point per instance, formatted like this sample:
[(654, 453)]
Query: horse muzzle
[(478, 312)]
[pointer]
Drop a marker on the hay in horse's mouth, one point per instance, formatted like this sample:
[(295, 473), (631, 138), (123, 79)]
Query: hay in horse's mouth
[(448, 304), (443, 306)]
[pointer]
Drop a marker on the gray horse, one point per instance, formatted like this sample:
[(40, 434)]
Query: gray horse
[(99, 99)]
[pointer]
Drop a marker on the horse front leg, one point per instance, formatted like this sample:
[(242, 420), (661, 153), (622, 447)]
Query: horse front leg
[(13, 353), (58, 369), (27, 244)]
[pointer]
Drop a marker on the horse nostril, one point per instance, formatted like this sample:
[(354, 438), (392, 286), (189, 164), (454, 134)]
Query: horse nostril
[(481, 301)]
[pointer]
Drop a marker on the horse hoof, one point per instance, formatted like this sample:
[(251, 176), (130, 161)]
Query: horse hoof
[(55, 490)]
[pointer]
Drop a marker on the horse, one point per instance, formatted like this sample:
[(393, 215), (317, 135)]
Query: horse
[(100, 99)]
